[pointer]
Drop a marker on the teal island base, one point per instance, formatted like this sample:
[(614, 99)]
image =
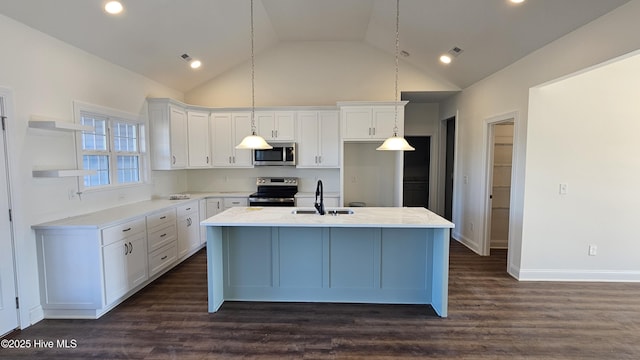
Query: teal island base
[(404, 265)]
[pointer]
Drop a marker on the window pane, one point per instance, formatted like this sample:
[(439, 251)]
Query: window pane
[(125, 137), (99, 163), (128, 169), (96, 140)]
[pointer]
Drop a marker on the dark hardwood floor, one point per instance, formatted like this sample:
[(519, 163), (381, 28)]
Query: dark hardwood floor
[(491, 316)]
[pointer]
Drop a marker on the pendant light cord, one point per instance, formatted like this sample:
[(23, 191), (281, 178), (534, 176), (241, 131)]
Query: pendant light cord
[(395, 124), (253, 94)]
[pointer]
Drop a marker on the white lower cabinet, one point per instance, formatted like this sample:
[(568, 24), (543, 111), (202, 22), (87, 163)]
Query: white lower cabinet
[(125, 266), (87, 270), (162, 238), (188, 229)]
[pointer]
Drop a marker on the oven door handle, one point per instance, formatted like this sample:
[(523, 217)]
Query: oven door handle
[(262, 200)]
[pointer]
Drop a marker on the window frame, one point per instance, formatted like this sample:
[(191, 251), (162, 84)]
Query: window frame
[(112, 116)]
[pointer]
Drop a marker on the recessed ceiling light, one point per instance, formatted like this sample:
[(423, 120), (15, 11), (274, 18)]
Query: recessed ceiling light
[(195, 64), (445, 59), (113, 7)]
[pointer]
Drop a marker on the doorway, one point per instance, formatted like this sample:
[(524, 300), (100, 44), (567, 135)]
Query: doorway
[(415, 183), (8, 299), (499, 169), (450, 139)]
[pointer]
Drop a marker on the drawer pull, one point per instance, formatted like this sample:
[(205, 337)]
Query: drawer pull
[(127, 229), (130, 248), (126, 249), (164, 257), (163, 217), (163, 235), (188, 209)]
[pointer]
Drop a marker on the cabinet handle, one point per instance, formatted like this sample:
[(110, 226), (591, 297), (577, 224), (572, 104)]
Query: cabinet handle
[(276, 133), (218, 203), (173, 157), (207, 159), (189, 222), (229, 159), (126, 249), (130, 248), (127, 229), (188, 209), (164, 257), (162, 217), (163, 235)]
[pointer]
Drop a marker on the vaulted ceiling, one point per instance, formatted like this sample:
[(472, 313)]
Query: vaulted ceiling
[(149, 37)]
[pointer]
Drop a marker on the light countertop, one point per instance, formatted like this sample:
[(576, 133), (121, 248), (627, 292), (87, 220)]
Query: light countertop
[(112, 216), (388, 217)]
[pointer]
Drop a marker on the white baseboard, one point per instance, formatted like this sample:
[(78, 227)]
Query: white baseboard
[(468, 243), (36, 315), (578, 275)]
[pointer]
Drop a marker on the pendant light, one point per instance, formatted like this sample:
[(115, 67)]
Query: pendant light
[(395, 142), (253, 141)]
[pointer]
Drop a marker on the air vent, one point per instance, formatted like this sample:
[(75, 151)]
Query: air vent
[(185, 57), (455, 51)]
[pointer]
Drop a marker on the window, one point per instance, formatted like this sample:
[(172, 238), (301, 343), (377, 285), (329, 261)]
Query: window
[(112, 149)]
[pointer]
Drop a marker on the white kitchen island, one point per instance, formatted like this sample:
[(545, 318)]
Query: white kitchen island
[(375, 255)]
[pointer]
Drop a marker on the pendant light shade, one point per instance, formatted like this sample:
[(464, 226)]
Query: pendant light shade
[(396, 143), (253, 141)]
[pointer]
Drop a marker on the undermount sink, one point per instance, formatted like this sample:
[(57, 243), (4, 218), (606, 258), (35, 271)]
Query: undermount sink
[(333, 212)]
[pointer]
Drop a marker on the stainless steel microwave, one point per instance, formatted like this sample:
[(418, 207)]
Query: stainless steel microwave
[(282, 154)]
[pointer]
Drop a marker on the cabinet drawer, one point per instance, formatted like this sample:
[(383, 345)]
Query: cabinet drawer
[(162, 258), (187, 209), (161, 237), (232, 202), (164, 217), (124, 230)]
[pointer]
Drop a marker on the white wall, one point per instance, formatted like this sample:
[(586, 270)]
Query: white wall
[(45, 76), (507, 91), (314, 73), (583, 131)]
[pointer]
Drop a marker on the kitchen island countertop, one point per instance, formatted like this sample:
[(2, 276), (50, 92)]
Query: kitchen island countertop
[(382, 217)]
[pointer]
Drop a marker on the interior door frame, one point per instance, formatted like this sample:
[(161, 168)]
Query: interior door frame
[(485, 244), (7, 111)]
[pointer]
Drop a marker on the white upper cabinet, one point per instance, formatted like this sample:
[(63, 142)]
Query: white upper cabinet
[(370, 122), (228, 130), (276, 125), (168, 133), (198, 139), (319, 139)]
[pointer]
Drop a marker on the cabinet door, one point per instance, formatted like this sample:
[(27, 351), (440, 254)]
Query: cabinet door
[(188, 234), (198, 139), (242, 128), (266, 125), (356, 123), (329, 145), (222, 136), (214, 206), (308, 139), (285, 126), (384, 121), (178, 134), (137, 261), (125, 266), (116, 281)]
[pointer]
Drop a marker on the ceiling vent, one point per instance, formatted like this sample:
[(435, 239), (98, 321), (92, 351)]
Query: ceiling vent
[(455, 51), (186, 57)]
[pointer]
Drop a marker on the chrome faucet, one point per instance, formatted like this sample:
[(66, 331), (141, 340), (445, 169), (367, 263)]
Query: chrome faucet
[(319, 193)]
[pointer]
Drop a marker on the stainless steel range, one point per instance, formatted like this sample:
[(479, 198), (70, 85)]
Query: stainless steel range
[(275, 191)]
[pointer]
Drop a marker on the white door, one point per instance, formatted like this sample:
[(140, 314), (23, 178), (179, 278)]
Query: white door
[(8, 308)]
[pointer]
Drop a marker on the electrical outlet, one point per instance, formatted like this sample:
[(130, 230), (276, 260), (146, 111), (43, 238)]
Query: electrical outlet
[(593, 250), (564, 187)]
